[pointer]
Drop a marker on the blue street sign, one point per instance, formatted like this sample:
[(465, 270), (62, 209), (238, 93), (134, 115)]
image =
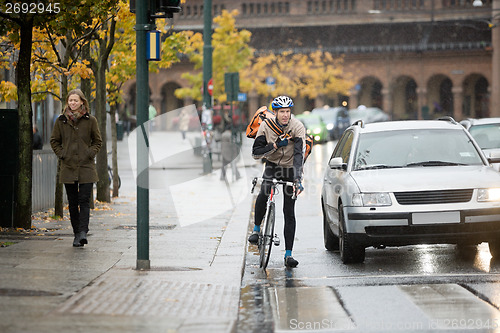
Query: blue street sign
[(242, 97), (270, 81)]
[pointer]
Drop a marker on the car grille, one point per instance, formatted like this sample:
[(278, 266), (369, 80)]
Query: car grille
[(433, 197)]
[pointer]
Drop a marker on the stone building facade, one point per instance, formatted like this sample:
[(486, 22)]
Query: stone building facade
[(415, 59)]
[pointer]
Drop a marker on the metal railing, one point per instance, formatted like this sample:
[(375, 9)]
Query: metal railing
[(44, 180)]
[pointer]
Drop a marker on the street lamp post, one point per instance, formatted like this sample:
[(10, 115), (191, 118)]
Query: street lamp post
[(207, 69), (142, 86), (146, 13)]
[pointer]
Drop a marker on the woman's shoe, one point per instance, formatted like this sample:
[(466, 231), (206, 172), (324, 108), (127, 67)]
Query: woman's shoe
[(76, 241), (83, 238)]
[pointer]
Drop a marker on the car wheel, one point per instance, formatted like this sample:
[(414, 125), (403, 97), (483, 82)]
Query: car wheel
[(494, 249), (350, 252), (331, 241)]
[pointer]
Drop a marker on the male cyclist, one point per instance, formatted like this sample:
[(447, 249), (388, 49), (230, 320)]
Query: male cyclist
[(281, 141)]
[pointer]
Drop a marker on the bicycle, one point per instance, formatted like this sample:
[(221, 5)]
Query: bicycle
[(110, 175), (266, 237)]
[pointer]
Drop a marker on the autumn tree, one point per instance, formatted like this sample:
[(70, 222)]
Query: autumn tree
[(19, 24), (122, 66), (231, 53), (308, 75)]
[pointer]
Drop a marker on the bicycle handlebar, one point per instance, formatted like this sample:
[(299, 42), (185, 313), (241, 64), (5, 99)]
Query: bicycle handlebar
[(275, 182)]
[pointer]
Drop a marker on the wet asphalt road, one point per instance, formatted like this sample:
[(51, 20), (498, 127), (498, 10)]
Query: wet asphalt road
[(399, 289)]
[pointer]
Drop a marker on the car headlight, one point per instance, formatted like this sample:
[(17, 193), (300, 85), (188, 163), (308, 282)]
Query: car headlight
[(371, 199), (308, 131), (329, 126), (488, 194), (317, 138), (317, 130)]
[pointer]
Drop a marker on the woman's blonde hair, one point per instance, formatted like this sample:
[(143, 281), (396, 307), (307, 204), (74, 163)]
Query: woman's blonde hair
[(82, 97)]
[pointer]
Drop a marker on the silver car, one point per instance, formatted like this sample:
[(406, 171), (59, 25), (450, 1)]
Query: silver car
[(486, 132), (409, 182)]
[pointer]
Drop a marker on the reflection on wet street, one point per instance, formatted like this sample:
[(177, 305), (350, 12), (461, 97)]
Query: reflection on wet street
[(396, 289)]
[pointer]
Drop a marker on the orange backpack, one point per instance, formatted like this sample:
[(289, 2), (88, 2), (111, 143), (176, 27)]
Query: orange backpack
[(263, 114), (260, 115)]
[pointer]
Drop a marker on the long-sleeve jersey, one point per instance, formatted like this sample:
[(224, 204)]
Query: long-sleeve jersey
[(291, 155)]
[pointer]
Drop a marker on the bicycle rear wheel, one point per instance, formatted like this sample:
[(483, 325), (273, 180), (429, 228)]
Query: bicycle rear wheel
[(266, 240)]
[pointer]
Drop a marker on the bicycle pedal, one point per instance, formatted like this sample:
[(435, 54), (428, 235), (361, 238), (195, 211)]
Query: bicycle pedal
[(276, 240)]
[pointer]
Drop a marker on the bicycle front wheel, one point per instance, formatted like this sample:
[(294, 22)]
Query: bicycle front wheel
[(266, 241)]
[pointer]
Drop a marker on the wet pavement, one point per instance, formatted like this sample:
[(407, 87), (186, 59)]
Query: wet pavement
[(198, 230)]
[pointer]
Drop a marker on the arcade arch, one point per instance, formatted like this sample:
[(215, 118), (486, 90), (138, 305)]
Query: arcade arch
[(370, 92), (405, 101), (440, 96), (475, 97)]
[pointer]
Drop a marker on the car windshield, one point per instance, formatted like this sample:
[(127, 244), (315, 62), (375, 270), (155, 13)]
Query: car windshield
[(487, 136), (414, 148)]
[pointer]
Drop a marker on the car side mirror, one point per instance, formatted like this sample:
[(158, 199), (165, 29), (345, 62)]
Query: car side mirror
[(494, 157), (337, 163)]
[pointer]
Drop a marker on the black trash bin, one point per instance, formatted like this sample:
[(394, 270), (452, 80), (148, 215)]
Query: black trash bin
[(9, 125), (119, 130)]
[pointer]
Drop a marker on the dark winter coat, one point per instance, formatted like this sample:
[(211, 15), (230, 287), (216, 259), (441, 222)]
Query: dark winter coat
[(76, 146)]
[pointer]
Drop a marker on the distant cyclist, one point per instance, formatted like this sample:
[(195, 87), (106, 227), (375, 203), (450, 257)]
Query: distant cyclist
[(281, 141)]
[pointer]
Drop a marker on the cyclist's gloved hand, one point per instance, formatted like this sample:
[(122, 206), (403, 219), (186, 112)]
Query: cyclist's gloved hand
[(281, 143), (298, 187)]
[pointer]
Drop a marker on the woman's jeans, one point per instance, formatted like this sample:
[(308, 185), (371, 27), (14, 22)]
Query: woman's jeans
[(79, 205)]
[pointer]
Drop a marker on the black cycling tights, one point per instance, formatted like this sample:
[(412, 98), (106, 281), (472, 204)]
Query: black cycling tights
[(285, 174)]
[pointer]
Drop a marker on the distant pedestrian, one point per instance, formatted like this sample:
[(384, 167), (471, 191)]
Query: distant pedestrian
[(184, 122), (37, 139), (230, 152), (76, 140), (152, 114)]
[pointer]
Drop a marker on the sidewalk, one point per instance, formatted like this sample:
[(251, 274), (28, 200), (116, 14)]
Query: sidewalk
[(198, 227)]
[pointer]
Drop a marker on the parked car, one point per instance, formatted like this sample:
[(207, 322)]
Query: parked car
[(409, 182), (368, 115), (336, 119), (315, 126), (486, 132)]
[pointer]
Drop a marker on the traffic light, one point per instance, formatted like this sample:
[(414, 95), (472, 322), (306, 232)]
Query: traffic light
[(168, 7), (160, 8)]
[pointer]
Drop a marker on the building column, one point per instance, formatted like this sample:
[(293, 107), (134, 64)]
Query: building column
[(387, 101), (457, 103), (319, 101), (353, 99), (188, 101), (253, 103), (495, 75), (421, 103)]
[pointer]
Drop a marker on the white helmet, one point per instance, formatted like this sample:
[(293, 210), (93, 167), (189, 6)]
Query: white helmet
[(282, 102)]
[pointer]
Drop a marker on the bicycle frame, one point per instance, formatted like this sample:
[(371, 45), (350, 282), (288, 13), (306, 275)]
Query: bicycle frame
[(267, 237)]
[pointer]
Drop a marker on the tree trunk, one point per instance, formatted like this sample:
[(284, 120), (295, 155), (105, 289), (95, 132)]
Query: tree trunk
[(87, 91), (99, 67), (114, 159), (25, 161), (59, 193), (102, 157)]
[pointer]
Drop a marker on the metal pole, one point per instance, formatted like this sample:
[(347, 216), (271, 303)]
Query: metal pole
[(142, 100), (207, 50), (207, 71)]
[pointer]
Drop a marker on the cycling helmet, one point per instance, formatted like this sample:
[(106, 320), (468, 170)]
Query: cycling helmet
[(282, 102)]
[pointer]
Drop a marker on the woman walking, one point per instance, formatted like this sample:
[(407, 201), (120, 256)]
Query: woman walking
[(76, 140)]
